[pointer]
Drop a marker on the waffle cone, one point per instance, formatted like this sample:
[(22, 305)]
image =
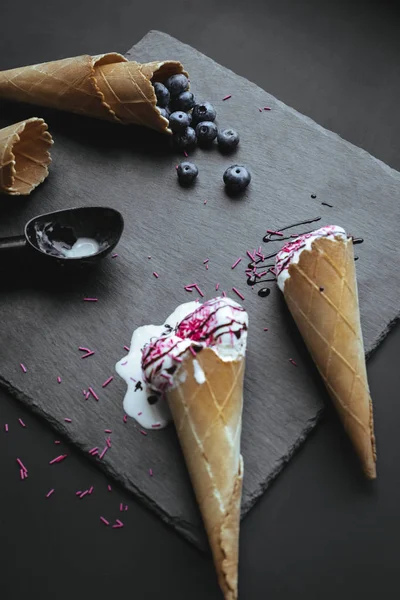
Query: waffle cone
[(107, 87), (321, 294), (24, 156), (208, 419)]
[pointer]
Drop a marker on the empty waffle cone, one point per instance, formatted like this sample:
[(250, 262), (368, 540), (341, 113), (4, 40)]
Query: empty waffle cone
[(107, 87), (24, 156), (321, 293), (208, 419)]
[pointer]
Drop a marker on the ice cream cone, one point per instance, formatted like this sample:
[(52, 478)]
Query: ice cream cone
[(321, 293), (208, 418), (24, 156), (107, 87)]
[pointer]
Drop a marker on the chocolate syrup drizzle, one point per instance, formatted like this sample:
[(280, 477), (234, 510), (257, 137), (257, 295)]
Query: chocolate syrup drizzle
[(262, 267)]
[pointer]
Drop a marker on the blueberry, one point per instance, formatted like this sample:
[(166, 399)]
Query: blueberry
[(185, 101), (164, 112), (162, 94), (236, 178), (184, 140), (206, 132), (177, 84), (227, 140), (203, 112), (187, 173), (178, 121)]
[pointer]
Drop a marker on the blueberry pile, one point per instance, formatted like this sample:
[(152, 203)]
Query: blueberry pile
[(194, 124)]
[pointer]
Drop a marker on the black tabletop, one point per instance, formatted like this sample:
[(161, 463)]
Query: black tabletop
[(321, 530)]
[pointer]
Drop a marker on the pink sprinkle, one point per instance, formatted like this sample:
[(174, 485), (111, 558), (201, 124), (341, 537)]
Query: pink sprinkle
[(121, 507), (151, 472), (68, 420), (23, 367), (108, 442), (93, 450), (91, 489), (58, 459), (107, 431), (149, 257), (236, 263), (103, 452), (142, 432), (261, 274), (90, 353), (83, 494), (293, 362), (109, 488), (272, 270), (78, 493), (139, 413), (87, 395), (178, 359), (224, 294), (205, 261), (50, 493), (265, 328), (250, 255), (260, 109), (117, 526), (205, 202), (238, 293), (114, 255), (156, 275), (273, 232), (176, 166), (126, 348), (217, 287), (227, 97), (84, 392), (104, 521), (95, 396), (120, 523), (207, 267), (185, 153), (57, 442), (192, 350), (199, 290), (125, 418), (6, 427), (126, 507), (107, 381), (21, 423), (90, 299), (124, 363), (267, 108), (58, 379), (23, 474), (156, 425), (188, 288), (21, 464)]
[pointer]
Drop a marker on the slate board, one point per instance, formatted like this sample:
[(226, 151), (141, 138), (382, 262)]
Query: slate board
[(43, 321)]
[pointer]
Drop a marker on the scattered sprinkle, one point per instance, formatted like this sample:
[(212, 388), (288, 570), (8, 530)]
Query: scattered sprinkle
[(125, 418), (149, 257), (107, 431), (265, 328), (23, 474), (142, 432), (205, 202), (93, 450), (267, 108), (205, 261), (126, 507), (50, 493), (293, 362), (235, 264), (156, 275), (95, 396), (68, 420), (207, 267), (155, 425), (121, 507), (90, 299), (108, 442), (87, 395), (107, 381), (23, 367), (83, 494), (126, 348), (58, 379), (260, 109), (91, 489), (118, 524), (21, 464), (103, 452), (227, 97), (6, 427), (109, 487), (87, 350), (104, 521), (78, 493), (238, 293), (151, 472), (139, 413), (224, 294), (57, 442), (21, 423), (185, 153), (250, 255), (115, 255), (58, 459)]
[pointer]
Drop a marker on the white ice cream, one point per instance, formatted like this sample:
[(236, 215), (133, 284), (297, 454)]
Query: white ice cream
[(291, 252)]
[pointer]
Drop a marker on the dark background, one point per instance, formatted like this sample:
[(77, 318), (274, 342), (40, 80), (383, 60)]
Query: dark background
[(321, 530)]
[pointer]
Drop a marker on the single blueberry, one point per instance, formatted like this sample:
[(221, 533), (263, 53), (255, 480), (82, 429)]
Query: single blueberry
[(184, 140), (162, 94), (179, 120), (164, 112), (227, 140), (203, 112), (206, 132), (236, 178), (177, 84), (185, 101), (187, 173)]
